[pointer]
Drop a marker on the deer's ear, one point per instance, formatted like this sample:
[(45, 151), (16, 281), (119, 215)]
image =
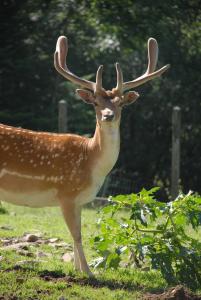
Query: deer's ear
[(130, 97), (87, 96)]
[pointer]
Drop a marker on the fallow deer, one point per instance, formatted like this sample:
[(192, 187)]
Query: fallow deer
[(40, 169)]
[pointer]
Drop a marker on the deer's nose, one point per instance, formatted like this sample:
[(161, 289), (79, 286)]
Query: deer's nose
[(108, 116)]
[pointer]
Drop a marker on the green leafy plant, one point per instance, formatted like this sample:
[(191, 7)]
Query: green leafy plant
[(3, 210), (137, 230)]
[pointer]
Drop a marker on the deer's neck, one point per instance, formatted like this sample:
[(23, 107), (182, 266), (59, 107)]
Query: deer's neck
[(106, 145)]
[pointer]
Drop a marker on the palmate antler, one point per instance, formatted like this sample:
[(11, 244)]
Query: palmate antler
[(121, 87)]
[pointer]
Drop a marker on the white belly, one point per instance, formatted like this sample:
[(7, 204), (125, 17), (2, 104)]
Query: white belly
[(32, 199)]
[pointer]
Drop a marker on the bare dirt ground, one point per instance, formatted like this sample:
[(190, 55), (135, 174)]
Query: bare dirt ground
[(176, 293)]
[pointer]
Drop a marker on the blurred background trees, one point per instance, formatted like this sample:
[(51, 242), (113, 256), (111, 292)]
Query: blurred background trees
[(103, 32)]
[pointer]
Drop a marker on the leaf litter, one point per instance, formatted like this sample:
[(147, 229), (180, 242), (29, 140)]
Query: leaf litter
[(26, 244)]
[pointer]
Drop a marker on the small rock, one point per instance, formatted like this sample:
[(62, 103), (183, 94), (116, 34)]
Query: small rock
[(68, 257), (31, 238), (6, 241), (53, 240), (40, 242), (17, 246)]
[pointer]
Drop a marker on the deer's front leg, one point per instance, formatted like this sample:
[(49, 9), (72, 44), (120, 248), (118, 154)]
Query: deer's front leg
[(76, 253), (72, 216)]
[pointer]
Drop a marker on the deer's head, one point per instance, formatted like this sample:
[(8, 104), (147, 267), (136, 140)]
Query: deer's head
[(107, 104)]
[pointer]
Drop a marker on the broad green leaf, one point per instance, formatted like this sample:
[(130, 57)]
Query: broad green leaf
[(113, 260)]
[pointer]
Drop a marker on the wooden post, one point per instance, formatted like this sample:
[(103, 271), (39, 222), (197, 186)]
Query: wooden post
[(62, 117), (175, 169)]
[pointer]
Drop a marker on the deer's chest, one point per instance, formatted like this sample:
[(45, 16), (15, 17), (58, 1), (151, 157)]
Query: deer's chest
[(103, 164)]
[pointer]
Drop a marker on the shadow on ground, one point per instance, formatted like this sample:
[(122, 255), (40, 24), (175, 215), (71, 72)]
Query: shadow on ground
[(93, 282), (175, 293), (178, 292)]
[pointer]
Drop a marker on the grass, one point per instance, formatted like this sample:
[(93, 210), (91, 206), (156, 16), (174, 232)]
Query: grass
[(51, 278)]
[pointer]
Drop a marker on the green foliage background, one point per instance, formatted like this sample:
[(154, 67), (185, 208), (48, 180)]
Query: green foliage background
[(103, 32)]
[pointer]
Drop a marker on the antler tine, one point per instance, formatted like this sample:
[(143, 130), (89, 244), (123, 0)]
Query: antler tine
[(62, 49), (60, 65), (149, 74), (119, 86), (152, 46), (99, 79)]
